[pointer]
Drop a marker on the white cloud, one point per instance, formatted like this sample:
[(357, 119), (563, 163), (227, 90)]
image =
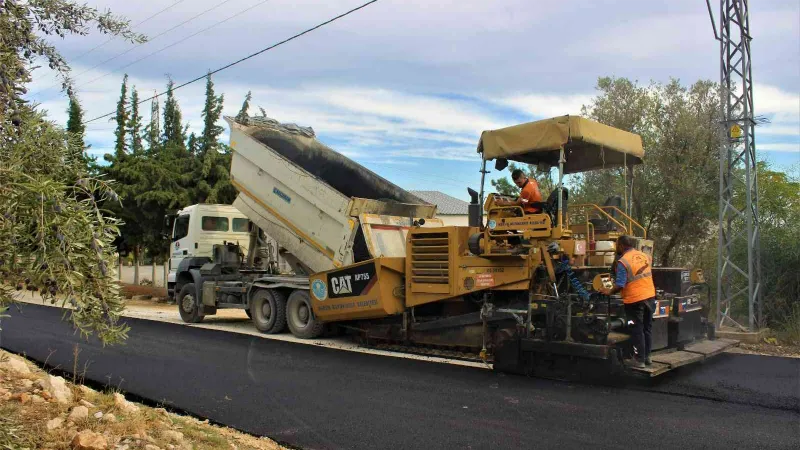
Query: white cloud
[(546, 105), (648, 37), (448, 153), (779, 147), (779, 130), (423, 78), (771, 100)]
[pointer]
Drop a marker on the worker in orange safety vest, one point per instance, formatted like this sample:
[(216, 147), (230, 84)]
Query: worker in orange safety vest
[(634, 279)]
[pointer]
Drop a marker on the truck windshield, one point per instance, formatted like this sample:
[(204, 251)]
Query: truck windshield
[(181, 227), (240, 225), (211, 223)]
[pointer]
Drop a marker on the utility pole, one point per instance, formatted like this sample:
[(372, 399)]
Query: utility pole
[(739, 253)]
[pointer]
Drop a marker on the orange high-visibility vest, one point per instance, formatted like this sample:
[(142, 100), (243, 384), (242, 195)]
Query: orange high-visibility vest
[(530, 193), (639, 284)]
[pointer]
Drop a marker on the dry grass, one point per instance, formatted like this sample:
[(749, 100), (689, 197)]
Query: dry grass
[(25, 425)]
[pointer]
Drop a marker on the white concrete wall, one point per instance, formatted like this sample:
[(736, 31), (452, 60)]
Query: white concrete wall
[(144, 272)]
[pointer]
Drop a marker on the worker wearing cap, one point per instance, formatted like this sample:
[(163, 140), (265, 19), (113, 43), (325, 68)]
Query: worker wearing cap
[(634, 279), (529, 196)]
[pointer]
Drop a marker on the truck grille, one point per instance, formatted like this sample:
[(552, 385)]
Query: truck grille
[(430, 258)]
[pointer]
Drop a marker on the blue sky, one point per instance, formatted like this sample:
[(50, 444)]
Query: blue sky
[(406, 86)]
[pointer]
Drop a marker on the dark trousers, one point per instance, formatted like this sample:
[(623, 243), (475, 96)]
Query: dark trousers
[(641, 314)]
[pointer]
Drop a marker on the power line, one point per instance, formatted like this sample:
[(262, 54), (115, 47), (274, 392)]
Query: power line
[(112, 38), (151, 40), (175, 88), (132, 26)]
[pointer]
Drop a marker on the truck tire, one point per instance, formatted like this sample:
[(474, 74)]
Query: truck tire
[(187, 304), (300, 317), (268, 311)]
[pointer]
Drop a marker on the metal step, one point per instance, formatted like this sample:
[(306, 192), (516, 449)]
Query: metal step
[(676, 359), (711, 348), (692, 353), (652, 370)]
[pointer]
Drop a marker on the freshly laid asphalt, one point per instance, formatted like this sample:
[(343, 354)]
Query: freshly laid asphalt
[(319, 398)]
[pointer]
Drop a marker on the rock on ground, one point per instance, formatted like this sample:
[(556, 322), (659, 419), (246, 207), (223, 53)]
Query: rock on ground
[(124, 405), (89, 440), (16, 365), (58, 388), (110, 418), (22, 398), (78, 413), (86, 390), (86, 404), (54, 424)]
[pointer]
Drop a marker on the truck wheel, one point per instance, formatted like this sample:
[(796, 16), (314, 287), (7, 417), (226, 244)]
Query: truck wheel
[(268, 311), (300, 317), (187, 304)]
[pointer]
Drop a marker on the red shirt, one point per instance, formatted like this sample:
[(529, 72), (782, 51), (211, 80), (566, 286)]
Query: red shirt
[(530, 194)]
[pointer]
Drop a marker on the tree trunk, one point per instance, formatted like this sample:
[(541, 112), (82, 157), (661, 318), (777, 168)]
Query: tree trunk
[(666, 255), (166, 272), (136, 265), (153, 271)]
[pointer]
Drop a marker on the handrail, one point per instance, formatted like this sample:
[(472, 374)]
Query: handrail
[(630, 220), (602, 210)]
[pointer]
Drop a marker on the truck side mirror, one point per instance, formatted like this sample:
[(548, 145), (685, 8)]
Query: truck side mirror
[(169, 219)]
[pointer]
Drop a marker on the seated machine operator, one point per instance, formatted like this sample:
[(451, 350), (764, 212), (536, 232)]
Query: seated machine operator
[(529, 197)]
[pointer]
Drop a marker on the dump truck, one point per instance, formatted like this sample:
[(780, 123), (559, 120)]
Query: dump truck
[(370, 260)]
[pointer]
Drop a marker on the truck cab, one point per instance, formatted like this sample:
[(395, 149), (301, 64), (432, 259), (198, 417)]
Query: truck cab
[(196, 229)]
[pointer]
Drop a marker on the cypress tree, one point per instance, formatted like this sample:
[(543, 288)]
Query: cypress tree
[(242, 116), (120, 145), (212, 110), (154, 128), (135, 125), (213, 158), (76, 132), (174, 132)]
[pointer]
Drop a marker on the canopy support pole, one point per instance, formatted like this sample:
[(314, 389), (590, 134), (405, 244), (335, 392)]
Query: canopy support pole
[(560, 218), (483, 180)]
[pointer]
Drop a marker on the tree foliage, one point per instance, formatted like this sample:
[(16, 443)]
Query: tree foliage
[(675, 192), (54, 238), (134, 125), (174, 171), (121, 118), (76, 134), (214, 157)]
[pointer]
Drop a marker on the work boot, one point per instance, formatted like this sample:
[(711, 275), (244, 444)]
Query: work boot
[(635, 363), (648, 361)]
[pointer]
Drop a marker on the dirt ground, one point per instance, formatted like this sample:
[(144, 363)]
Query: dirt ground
[(129, 290), (770, 349), (42, 411)]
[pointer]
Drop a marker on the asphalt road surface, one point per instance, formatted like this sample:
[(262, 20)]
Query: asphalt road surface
[(319, 398)]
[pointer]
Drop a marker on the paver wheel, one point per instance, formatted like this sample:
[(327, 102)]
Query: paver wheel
[(187, 304), (300, 317), (268, 311)]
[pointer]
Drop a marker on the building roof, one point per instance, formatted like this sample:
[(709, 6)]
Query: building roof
[(446, 205)]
